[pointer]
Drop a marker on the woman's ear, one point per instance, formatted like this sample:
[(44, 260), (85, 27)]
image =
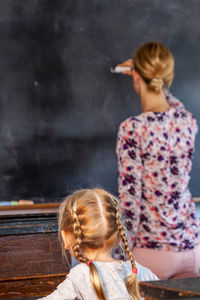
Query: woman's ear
[(136, 76), (137, 82)]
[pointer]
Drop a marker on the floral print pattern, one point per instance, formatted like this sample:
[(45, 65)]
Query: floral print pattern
[(155, 152)]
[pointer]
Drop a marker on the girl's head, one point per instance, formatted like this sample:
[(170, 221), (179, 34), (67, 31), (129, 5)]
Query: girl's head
[(89, 221), (155, 64)]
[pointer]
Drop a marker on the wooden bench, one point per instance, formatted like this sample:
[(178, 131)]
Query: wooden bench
[(31, 263)]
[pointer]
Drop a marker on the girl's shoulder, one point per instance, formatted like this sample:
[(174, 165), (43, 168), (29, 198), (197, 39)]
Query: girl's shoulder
[(73, 287), (144, 274), (78, 270)]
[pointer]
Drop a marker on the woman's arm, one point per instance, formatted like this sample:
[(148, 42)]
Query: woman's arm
[(130, 175)]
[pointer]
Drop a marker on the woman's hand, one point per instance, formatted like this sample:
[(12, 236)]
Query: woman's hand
[(127, 63)]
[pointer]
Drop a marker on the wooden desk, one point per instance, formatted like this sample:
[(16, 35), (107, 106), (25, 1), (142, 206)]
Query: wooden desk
[(31, 264), (188, 288)]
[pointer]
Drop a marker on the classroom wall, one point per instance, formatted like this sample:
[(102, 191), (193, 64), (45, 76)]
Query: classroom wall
[(60, 106)]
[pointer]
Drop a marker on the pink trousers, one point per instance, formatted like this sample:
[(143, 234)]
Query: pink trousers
[(170, 264)]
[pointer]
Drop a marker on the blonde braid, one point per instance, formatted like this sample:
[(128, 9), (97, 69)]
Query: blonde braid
[(94, 274), (124, 238), (131, 281), (77, 234)]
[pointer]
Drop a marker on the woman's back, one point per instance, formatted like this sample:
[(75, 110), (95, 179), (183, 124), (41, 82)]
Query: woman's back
[(157, 149)]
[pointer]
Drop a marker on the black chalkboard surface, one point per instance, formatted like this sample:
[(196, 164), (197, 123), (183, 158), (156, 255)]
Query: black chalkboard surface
[(60, 106)]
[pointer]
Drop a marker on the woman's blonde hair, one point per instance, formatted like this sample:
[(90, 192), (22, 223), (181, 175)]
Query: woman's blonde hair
[(155, 64), (93, 218)]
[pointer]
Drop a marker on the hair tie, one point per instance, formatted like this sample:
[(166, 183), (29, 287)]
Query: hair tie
[(89, 262), (134, 270)]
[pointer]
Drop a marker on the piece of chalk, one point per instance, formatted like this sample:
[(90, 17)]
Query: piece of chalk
[(5, 203), (119, 69), (25, 202), (14, 202)]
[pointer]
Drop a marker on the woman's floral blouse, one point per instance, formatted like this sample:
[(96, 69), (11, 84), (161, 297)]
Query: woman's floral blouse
[(154, 153)]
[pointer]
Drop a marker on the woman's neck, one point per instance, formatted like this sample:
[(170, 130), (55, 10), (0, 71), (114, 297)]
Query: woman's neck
[(154, 102)]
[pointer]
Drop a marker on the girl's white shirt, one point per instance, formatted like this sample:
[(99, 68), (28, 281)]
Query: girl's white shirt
[(77, 284)]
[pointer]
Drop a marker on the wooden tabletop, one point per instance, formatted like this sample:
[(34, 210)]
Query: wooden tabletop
[(188, 288)]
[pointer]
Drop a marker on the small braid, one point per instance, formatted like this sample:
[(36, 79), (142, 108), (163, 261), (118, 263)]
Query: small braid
[(131, 281), (77, 233), (124, 238)]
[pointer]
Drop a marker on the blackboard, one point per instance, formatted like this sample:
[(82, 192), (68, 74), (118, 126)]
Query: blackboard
[(60, 106)]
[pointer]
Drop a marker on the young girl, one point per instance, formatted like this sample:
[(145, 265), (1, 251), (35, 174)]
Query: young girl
[(89, 226)]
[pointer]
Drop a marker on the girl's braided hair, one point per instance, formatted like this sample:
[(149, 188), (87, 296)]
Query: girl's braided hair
[(92, 216)]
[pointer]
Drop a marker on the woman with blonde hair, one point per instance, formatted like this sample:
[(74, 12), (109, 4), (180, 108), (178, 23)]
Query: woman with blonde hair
[(155, 152), (89, 226)]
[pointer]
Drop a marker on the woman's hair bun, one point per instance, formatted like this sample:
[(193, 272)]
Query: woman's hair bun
[(155, 64), (156, 84)]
